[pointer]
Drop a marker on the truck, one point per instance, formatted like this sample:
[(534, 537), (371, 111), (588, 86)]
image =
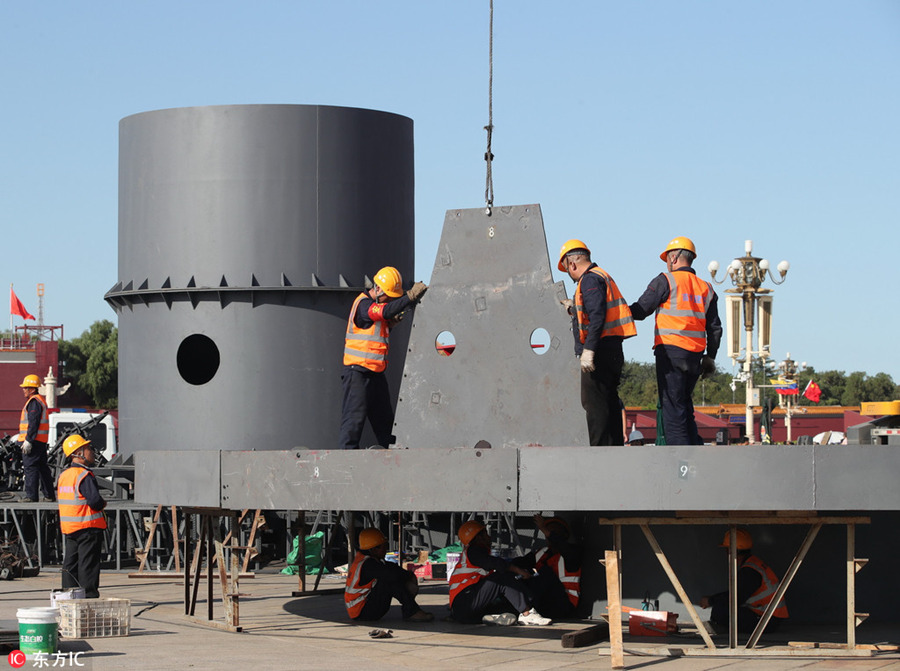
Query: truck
[(103, 435)]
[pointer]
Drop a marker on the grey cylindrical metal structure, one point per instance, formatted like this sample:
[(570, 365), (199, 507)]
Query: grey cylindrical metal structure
[(245, 233)]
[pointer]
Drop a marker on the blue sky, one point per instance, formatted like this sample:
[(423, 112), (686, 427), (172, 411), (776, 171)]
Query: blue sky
[(629, 122)]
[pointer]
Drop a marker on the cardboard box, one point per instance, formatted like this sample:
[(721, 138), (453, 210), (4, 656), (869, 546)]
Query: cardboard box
[(652, 622)]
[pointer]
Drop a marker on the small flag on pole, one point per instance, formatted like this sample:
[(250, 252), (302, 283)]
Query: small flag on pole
[(812, 392), (16, 307), (784, 387)]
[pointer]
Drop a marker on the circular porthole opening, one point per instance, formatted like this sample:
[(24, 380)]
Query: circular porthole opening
[(540, 341), (197, 359), (445, 343)]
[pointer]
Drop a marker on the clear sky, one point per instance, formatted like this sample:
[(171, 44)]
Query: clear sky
[(629, 123)]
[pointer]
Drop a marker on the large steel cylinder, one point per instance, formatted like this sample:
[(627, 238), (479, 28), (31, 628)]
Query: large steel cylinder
[(245, 233)]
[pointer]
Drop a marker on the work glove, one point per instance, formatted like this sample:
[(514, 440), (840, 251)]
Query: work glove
[(587, 361), (418, 290), (707, 367), (26, 447), (396, 319), (569, 303)]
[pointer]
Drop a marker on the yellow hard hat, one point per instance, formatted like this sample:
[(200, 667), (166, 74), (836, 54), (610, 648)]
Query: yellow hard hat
[(469, 530), (680, 242), (370, 538), (73, 443), (390, 282), (570, 246), (31, 381), (744, 540)]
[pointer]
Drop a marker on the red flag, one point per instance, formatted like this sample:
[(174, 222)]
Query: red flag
[(16, 307), (812, 392)]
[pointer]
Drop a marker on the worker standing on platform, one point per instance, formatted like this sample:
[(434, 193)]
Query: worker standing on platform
[(601, 320), (756, 585), (365, 387), (34, 432), (687, 323), (557, 585), (372, 582), (81, 518), (479, 580)]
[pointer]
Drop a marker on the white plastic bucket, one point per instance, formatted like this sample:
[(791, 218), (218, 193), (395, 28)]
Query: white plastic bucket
[(64, 594), (38, 630)]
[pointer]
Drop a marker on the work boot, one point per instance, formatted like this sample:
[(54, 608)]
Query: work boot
[(420, 616)]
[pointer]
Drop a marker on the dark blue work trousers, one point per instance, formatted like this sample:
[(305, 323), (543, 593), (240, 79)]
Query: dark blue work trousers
[(37, 472), (366, 396), (677, 372)]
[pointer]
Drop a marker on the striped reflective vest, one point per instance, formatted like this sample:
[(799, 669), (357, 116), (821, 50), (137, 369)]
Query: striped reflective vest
[(619, 321), (571, 580), (681, 319), (761, 597), (465, 575), (355, 594), (74, 512), (43, 432), (366, 347)]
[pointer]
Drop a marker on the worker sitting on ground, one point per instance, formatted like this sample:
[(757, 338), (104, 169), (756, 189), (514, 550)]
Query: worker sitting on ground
[(557, 585), (372, 582), (487, 589), (756, 585)]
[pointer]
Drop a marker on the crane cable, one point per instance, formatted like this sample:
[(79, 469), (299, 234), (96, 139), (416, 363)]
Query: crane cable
[(488, 156)]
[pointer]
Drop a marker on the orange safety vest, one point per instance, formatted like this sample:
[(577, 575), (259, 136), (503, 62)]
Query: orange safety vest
[(464, 575), (366, 347), (355, 595), (619, 321), (571, 580), (74, 512), (43, 432), (761, 597), (681, 319)]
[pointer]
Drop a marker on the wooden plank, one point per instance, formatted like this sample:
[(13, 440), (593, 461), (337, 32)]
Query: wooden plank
[(783, 585), (726, 520), (851, 586), (586, 636), (617, 656), (669, 650), (664, 562)]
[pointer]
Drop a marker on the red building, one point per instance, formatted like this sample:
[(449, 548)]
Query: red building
[(31, 350)]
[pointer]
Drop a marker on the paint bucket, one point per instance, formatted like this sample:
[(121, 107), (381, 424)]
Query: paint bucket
[(64, 594), (38, 630)]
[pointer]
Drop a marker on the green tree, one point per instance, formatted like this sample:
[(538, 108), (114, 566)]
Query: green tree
[(91, 363)]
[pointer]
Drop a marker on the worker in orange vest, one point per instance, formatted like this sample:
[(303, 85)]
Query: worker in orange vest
[(557, 583), (687, 325), (365, 388), (479, 581), (34, 432), (601, 320), (81, 518), (756, 585), (372, 582)]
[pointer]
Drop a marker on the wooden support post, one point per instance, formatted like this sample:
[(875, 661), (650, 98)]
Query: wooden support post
[(851, 587), (301, 552), (150, 534), (209, 564), (678, 588), (175, 540), (732, 587), (250, 552), (616, 651), (187, 555)]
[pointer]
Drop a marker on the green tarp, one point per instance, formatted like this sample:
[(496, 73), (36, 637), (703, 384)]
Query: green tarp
[(313, 555)]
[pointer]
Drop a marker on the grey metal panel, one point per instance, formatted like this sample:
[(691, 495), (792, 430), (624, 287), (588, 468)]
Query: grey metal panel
[(491, 287), (176, 478), (246, 224), (439, 480), (655, 478), (850, 477)]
